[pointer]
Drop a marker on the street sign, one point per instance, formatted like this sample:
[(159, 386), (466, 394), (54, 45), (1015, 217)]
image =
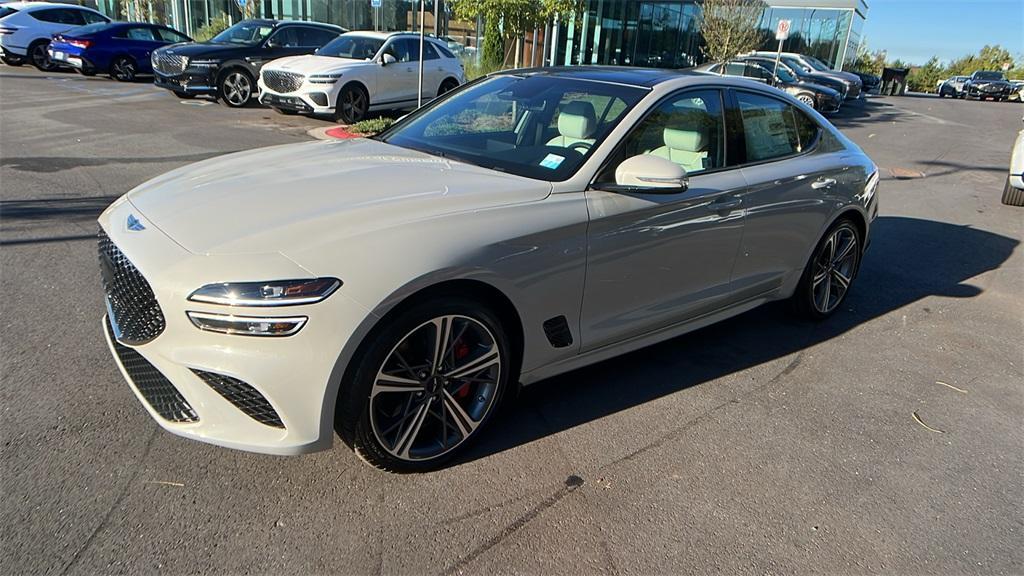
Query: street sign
[(375, 3), (782, 30), (241, 3)]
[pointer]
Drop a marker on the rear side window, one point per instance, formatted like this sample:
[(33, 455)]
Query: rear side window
[(58, 16), (5, 11), (774, 129), (444, 51), (90, 17), (168, 35), (315, 37), (140, 33), (429, 51)]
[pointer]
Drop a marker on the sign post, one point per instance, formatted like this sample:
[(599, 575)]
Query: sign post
[(375, 4), (419, 95), (781, 33)]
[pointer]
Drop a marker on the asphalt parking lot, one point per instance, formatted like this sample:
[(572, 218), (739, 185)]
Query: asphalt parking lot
[(885, 440)]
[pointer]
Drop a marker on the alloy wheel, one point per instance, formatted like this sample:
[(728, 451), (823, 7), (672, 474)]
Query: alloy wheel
[(806, 99), (353, 105), (237, 89), (124, 70), (834, 268), (40, 57), (435, 388)]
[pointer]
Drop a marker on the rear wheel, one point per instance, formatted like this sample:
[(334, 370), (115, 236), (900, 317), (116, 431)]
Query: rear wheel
[(352, 105), (1012, 196), (830, 272), (87, 70), (447, 86), (40, 58), (429, 382), (123, 69), (235, 88)]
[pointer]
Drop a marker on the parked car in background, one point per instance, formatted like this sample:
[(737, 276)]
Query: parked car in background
[(395, 289), (119, 49), (952, 87), (359, 72), (1017, 92), (870, 82), (227, 66), (985, 84), (1013, 190), (817, 70), (821, 98), (26, 29)]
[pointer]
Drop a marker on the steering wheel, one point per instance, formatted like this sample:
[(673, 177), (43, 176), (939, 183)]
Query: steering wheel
[(586, 146)]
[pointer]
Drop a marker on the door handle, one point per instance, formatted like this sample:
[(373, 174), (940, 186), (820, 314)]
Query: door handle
[(723, 204), (823, 183)]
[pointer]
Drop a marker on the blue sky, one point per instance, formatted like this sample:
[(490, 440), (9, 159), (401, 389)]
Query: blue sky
[(915, 30)]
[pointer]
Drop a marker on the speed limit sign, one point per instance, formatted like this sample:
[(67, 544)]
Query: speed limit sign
[(782, 30)]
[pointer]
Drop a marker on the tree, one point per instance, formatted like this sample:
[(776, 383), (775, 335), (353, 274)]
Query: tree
[(926, 78), (508, 20), (731, 27), (869, 62), (249, 8)]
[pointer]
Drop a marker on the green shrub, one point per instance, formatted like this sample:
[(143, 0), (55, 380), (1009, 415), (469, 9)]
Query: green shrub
[(371, 126), (213, 27), (475, 69)]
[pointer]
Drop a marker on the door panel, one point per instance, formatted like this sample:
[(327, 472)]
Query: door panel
[(657, 259)]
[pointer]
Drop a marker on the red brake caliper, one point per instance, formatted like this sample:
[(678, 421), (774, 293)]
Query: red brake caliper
[(461, 351)]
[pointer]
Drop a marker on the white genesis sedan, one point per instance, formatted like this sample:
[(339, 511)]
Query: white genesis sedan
[(395, 289), (360, 72)]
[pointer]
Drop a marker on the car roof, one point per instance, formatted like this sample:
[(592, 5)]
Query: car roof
[(629, 75), (34, 5)]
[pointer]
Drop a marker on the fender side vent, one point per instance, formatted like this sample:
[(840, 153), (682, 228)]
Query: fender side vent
[(557, 331)]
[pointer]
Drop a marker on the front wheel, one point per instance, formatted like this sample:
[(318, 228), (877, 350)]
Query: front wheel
[(428, 383), (236, 88), (806, 99), (124, 69), (830, 272), (352, 105)]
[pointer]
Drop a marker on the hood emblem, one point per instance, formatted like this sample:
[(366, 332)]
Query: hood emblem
[(134, 224)]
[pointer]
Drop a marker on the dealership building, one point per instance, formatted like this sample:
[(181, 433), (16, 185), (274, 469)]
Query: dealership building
[(660, 33)]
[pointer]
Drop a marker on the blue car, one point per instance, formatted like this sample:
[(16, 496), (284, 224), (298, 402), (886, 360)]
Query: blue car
[(120, 49)]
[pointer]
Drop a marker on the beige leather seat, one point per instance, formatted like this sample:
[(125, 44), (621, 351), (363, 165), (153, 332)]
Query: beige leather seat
[(576, 123), (688, 148)]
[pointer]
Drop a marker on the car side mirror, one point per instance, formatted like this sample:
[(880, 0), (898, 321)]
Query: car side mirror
[(387, 59), (651, 174)]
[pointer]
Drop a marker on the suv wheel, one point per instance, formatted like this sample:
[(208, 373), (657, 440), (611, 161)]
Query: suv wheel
[(352, 105), (235, 88), (39, 57)]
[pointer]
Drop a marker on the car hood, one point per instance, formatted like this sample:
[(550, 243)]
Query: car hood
[(980, 83), (288, 198), (195, 50), (315, 64)]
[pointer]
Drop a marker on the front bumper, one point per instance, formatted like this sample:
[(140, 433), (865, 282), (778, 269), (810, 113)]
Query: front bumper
[(309, 99), (828, 105), (296, 376), (996, 92), (190, 82)]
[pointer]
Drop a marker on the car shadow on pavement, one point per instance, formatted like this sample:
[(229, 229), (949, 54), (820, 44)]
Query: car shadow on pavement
[(862, 113), (909, 259)]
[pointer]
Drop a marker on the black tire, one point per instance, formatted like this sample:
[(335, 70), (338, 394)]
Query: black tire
[(808, 99), (1012, 196), (12, 60), (808, 295), (39, 57), (352, 104), (236, 87), (87, 71), (124, 69), (286, 111), (448, 85), (354, 422), (184, 95)]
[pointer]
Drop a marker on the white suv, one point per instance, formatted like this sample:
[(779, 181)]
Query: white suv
[(359, 72), (26, 29)]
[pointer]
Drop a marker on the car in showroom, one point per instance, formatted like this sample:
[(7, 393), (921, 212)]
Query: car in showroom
[(228, 65), (985, 84), (360, 72), (817, 71), (27, 27), (119, 49), (821, 98), (952, 87), (395, 289), (1013, 190)]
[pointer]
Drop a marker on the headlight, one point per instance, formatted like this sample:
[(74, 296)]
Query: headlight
[(324, 78), (203, 63), (274, 293), (247, 325)]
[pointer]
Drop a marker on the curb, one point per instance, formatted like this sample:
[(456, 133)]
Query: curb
[(332, 133)]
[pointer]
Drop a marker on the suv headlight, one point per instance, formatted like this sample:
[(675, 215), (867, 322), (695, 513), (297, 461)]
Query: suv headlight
[(273, 293), (324, 78)]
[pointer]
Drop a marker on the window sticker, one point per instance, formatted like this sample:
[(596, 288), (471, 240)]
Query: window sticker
[(552, 161)]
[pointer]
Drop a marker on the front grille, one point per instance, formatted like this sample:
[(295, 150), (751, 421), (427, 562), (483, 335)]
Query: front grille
[(154, 386), (282, 82), (169, 63), (243, 396), (130, 299)]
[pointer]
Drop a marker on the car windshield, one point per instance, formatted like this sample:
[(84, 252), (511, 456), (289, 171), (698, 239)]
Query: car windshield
[(988, 75), (352, 46), (794, 65), (817, 64), (536, 126), (784, 74), (247, 32)]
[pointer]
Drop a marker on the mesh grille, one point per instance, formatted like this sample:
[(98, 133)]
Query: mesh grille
[(169, 63), (282, 81), (154, 386), (135, 310), (243, 396)]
